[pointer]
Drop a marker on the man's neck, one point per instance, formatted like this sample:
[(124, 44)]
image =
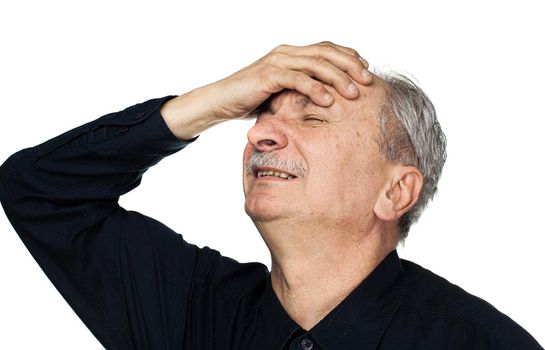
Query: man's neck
[(311, 276)]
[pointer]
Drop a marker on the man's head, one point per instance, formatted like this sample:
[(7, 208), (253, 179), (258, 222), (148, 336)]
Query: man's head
[(351, 166), (412, 136)]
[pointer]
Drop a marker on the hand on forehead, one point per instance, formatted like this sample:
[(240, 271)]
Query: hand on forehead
[(369, 95)]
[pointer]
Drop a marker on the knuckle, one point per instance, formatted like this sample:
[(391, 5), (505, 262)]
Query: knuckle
[(353, 52), (318, 61), (326, 43), (330, 50), (342, 83), (315, 86), (300, 79), (274, 57), (280, 48), (363, 62)]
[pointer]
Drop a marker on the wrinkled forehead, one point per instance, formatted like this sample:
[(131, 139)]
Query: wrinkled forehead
[(370, 99)]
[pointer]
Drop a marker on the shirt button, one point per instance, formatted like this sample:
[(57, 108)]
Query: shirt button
[(139, 115), (124, 129), (307, 344)]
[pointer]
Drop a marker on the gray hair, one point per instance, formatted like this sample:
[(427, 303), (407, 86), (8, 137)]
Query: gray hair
[(411, 135)]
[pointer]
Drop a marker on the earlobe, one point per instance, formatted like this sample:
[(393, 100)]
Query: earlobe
[(400, 195)]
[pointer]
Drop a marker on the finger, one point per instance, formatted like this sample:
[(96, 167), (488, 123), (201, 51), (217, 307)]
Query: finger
[(319, 68), (354, 53), (345, 58), (347, 50), (301, 82)]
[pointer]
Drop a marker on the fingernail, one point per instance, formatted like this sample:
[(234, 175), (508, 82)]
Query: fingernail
[(353, 89), (328, 98), (365, 63), (365, 74)]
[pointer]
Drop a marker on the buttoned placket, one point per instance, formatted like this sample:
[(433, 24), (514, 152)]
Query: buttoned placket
[(303, 342)]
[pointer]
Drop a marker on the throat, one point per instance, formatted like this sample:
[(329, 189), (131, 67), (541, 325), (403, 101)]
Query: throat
[(307, 309), (315, 267), (310, 291)]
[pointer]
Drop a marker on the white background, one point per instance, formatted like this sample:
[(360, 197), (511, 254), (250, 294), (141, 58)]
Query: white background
[(64, 63)]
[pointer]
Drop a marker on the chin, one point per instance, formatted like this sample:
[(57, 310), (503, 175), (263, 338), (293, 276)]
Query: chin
[(259, 211)]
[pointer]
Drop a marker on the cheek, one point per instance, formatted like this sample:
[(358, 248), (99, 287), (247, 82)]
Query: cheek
[(245, 156), (332, 175), (359, 172)]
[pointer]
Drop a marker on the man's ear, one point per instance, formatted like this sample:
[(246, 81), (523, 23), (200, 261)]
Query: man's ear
[(400, 193)]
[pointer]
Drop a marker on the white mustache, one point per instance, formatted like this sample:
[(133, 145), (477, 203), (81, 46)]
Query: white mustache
[(268, 159)]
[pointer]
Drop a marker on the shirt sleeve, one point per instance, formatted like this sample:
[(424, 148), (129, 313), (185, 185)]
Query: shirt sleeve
[(127, 276)]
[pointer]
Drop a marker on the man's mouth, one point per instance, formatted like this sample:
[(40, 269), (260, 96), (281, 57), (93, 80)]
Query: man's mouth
[(261, 172)]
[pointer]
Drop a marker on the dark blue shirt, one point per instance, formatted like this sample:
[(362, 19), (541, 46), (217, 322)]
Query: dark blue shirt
[(138, 285)]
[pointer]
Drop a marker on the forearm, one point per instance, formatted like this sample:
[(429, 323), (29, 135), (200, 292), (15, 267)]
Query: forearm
[(75, 179), (122, 272), (188, 115)]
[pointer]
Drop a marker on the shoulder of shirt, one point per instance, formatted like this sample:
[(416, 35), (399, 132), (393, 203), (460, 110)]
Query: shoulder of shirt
[(429, 293), (233, 278)]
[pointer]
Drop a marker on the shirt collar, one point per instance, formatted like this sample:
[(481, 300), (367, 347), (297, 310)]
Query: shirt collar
[(273, 325), (358, 322)]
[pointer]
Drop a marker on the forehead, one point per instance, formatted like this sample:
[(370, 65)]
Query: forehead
[(370, 99)]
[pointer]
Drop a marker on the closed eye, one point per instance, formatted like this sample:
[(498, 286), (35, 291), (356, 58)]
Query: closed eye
[(314, 118)]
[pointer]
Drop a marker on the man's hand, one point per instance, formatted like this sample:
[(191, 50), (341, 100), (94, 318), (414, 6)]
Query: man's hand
[(302, 68)]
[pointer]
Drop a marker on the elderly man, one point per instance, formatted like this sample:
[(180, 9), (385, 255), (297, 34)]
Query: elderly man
[(338, 165)]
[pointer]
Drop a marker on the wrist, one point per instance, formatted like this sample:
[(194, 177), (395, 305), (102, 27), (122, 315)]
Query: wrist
[(190, 114)]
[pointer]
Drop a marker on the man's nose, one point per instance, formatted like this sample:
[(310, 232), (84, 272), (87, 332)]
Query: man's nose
[(267, 135)]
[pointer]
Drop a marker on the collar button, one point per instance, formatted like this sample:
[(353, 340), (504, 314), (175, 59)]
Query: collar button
[(139, 115), (307, 344)]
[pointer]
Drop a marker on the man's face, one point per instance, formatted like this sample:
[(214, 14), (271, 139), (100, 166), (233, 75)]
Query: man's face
[(336, 146)]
